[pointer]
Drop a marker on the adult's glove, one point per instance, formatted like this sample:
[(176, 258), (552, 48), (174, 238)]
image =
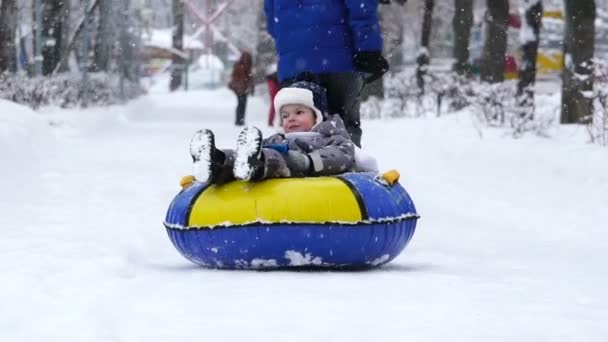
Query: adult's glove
[(371, 62)]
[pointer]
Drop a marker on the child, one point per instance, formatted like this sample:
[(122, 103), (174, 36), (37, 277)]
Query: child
[(310, 145)]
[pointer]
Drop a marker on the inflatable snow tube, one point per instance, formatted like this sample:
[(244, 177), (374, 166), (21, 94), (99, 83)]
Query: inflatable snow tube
[(354, 220)]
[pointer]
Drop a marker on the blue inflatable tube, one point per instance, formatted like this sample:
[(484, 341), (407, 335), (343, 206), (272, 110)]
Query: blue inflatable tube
[(355, 220)]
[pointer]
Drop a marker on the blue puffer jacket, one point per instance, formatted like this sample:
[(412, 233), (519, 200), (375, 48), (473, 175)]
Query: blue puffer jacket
[(321, 36)]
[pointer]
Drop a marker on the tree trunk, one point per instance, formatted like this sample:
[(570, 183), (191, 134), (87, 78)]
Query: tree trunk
[(579, 44), (84, 60), (495, 45), (8, 27), (178, 44), (129, 42), (104, 41), (52, 34), (530, 37), (36, 64), (65, 53), (423, 58), (462, 23), (65, 35)]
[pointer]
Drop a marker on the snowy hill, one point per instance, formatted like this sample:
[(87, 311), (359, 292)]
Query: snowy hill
[(22, 131), (510, 246)]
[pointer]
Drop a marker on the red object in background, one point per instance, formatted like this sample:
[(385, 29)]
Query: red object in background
[(273, 88), (514, 21), (510, 64)]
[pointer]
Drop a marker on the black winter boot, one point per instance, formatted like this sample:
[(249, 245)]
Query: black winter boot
[(249, 163), (207, 159)]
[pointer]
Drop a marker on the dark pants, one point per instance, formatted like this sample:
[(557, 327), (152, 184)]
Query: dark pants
[(240, 109), (275, 166), (343, 97)]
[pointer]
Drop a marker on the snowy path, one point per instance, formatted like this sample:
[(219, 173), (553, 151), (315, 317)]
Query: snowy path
[(510, 246)]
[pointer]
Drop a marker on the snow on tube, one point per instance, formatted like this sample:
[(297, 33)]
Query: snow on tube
[(354, 220)]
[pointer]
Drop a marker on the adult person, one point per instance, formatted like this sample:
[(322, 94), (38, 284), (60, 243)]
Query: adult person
[(241, 83), (272, 81), (331, 42)]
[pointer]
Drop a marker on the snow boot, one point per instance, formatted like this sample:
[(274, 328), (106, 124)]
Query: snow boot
[(249, 163), (207, 159)]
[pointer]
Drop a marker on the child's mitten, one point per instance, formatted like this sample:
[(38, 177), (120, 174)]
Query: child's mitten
[(298, 163)]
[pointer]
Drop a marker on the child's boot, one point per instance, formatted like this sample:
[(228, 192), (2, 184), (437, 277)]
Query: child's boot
[(206, 158), (249, 163)]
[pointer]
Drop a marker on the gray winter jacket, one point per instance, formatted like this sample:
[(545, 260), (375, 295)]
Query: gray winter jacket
[(328, 145)]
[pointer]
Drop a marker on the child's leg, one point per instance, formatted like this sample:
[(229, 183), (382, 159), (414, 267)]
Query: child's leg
[(224, 173), (280, 164), (254, 163)]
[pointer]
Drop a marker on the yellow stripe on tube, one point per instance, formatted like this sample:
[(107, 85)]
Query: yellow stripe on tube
[(298, 200)]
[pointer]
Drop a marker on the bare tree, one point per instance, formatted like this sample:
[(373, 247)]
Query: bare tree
[(579, 45), (131, 44), (72, 42), (66, 26), (8, 26), (178, 45), (495, 45), (52, 34), (530, 37), (462, 23), (104, 41), (423, 59)]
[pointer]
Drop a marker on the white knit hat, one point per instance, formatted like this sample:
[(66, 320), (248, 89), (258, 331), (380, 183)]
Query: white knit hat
[(303, 93)]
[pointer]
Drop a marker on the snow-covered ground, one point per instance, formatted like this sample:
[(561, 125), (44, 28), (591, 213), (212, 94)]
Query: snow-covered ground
[(510, 247)]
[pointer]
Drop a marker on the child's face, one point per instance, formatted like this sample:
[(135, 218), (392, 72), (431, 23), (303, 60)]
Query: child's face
[(297, 118)]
